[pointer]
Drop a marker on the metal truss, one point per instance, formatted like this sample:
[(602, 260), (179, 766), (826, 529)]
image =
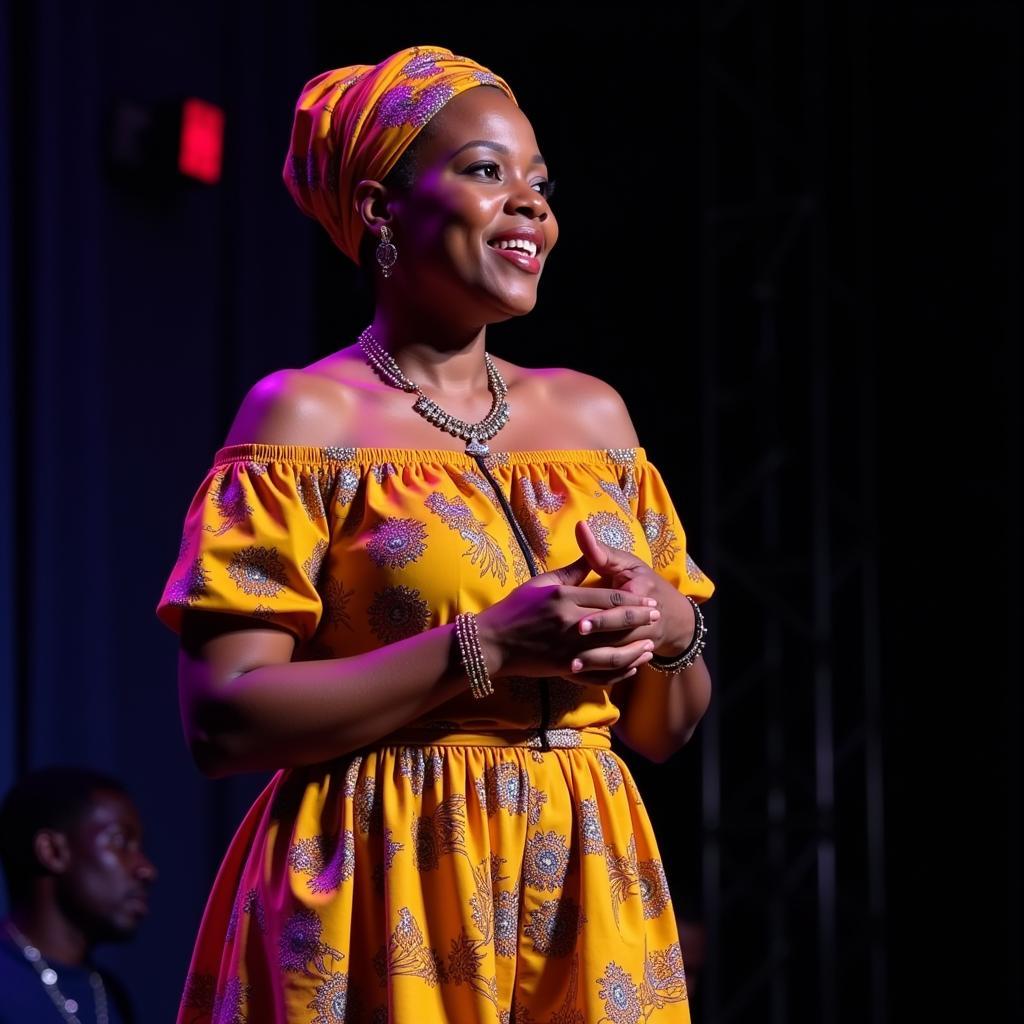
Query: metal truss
[(793, 856)]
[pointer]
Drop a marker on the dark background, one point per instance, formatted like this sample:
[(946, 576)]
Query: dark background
[(790, 235)]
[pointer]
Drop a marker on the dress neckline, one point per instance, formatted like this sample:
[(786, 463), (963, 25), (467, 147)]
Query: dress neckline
[(355, 456)]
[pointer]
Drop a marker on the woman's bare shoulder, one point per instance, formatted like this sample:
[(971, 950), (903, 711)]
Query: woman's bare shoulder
[(584, 408), (302, 406)]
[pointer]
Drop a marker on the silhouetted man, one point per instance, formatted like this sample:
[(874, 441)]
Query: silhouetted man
[(77, 876)]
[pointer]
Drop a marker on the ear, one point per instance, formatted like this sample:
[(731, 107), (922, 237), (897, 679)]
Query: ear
[(371, 203), (52, 850)]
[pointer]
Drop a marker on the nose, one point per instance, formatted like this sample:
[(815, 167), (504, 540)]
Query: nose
[(146, 869), (528, 201)]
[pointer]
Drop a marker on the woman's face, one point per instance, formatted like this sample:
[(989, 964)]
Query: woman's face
[(475, 229)]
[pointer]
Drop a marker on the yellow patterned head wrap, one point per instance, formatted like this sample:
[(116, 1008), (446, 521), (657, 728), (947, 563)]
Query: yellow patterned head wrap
[(354, 123)]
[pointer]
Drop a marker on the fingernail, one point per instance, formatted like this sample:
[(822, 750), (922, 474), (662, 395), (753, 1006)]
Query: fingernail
[(631, 672), (646, 657), (648, 645), (576, 664), (586, 626), (650, 602), (655, 615)]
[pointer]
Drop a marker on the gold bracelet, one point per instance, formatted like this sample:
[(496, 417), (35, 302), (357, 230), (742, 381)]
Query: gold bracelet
[(472, 655)]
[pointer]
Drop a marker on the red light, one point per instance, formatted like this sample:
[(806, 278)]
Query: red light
[(202, 140)]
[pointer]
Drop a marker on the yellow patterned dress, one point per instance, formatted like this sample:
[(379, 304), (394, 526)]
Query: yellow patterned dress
[(492, 862)]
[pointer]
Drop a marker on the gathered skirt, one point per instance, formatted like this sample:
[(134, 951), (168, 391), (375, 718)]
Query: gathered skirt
[(475, 879)]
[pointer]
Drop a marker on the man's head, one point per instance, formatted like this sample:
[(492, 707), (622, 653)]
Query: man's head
[(73, 838)]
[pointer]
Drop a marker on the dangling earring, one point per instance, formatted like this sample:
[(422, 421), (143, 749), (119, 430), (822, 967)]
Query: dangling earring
[(387, 254)]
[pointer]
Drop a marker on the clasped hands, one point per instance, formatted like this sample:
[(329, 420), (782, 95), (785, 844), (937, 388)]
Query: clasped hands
[(552, 625)]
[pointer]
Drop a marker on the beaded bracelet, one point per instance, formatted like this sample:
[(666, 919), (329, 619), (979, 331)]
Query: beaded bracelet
[(672, 665), (472, 655)]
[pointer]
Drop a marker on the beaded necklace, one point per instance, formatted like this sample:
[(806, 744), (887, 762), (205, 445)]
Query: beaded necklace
[(68, 1008), (474, 434)]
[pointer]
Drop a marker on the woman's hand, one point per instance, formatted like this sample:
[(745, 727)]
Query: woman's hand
[(625, 572), (535, 630)]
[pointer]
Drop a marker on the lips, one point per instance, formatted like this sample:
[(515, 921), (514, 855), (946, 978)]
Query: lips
[(525, 238), (519, 246), (519, 258), (138, 902)]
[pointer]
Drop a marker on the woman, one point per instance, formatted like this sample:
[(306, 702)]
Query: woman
[(402, 627)]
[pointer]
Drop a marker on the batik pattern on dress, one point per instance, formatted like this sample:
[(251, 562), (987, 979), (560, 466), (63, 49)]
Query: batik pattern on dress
[(395, 543), (312, 565), (590, 827), (301, 948), (229, 1007), (247, 903), (653, 887), (397, 613), (661, 538), (618, 495), (231, 503), (484, 549), (328, 863), (623, 874), (555, 925), (507, 787), (331, 1000), (627, 1001), (346, 486), (612, 770), (546, 861), (191, 586), (440, 832), (258, 570), (520, 570), (609, 529), (694, 571), (421, 767), (413, 881), (308, 488), (335, 603), (626, 460)]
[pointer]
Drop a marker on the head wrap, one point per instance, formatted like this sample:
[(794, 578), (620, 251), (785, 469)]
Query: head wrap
[(356, 122)]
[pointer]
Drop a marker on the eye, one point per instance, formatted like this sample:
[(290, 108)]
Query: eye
[(545, 188), (490, 167)]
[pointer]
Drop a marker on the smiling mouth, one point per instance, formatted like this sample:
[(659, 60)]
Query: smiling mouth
[(522, 245)]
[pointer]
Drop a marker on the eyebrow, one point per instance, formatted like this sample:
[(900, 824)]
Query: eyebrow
[(497, 146)]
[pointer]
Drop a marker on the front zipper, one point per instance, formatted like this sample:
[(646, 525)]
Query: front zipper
[(517, 531)]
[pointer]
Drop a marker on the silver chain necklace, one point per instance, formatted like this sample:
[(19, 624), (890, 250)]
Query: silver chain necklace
[(474, 434), (68, 1008)]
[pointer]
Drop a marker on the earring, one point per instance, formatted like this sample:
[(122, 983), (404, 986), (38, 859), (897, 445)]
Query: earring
[(387, 254)]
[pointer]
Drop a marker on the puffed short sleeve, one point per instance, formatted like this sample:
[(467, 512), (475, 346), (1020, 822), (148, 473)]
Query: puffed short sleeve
[(670, 554), (255, 537)]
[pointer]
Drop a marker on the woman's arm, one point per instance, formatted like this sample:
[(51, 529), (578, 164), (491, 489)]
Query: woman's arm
[(246, 706), (658, 713)]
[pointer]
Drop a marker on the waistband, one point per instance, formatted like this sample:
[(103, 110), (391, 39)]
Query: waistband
[(536, 739)]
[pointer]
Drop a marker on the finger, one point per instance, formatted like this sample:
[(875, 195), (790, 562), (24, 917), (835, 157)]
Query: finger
[(625, 617), (593, 550), (604, 559), (609, 678), (571, 575), (606, 597), (603, 679), (613, 659)]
